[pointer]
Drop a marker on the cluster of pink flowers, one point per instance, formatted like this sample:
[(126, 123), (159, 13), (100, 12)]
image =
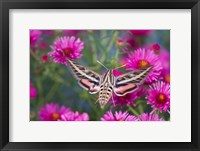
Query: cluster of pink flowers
[(155, 90), (125, 116), (52, 112)]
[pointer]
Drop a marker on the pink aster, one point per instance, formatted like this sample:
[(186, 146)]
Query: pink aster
[(165, 58), (141, 58), (34, 37), (74, 116), (52, 112), (118, 116), (141, 32), (33, 91), (159, 96), (66, 48), (150, 117)]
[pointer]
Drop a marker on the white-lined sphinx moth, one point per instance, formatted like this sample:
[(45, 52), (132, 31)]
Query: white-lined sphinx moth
[(108, 83)]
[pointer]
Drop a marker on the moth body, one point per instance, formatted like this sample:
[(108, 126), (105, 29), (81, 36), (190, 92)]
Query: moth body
[(106, 89)]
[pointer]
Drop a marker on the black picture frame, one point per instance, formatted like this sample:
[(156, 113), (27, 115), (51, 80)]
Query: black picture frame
[(5, 5)]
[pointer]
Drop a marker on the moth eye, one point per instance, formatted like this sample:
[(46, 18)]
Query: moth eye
[(96, 76)]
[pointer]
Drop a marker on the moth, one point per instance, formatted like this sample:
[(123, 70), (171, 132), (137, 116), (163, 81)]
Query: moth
[(107, 84)]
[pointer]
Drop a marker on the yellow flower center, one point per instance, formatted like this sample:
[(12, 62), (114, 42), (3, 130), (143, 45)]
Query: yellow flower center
[(167, 78), (142, 63), (161, 98), (120, 120), (55, 116)]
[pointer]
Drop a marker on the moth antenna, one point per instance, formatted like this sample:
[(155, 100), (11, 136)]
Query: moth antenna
[(121, 66), (101, 64)]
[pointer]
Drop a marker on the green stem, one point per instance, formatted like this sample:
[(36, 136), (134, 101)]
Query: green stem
[(94, 49), (133, 111), (50, 93), (112, 42), (140, 108), (101, 47)]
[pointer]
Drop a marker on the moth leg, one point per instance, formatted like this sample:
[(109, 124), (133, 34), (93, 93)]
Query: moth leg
[(113, 100), (97, 101)]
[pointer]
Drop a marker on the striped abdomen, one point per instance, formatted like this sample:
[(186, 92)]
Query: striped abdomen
[(105, 94)]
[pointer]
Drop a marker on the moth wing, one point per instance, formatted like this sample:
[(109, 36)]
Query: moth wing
[(129, 82), (125, 89), (88, 85), (87, 78)]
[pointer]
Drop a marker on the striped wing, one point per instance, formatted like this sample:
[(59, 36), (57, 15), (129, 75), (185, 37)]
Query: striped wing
[(87, 78), (129, 82)]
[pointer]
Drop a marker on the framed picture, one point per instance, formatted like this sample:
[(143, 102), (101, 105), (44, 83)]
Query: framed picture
[(99, 75)]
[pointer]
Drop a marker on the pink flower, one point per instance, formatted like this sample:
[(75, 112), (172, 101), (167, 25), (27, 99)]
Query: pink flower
[(34, 37), (33, 91), (165, 58), (44, 58), (141, 58), (150, 117), (74, 116), (66, 48), (140, 32), (52, 112), (118, 116), (156, 48), (159, 96)]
